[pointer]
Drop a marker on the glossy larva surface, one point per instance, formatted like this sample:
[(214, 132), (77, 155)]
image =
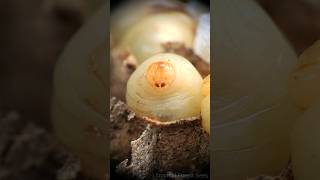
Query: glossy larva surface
[(131, 12), (252, 112), (252, 58), (165, 87)]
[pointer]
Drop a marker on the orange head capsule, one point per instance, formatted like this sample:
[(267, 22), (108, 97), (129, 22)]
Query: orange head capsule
[(160, 74)]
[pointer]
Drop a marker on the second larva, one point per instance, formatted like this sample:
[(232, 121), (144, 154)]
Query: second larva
[(205, 104), (165, 87), (145, 37), (305, 93), (305, 80)]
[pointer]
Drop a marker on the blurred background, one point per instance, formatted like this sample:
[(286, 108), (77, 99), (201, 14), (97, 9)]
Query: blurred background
[(298, 20), (33, 34)]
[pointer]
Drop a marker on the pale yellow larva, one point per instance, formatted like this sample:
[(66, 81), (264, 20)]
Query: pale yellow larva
[(205, 113), (205, 89), (253, 118), (132, 12), (205, 104), (145, 38), (165, 87)]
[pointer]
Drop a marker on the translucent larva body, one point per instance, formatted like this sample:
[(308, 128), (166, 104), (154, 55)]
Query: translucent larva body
[(245, 69), (252, 115), (80, 96), (146, 37), (131, 12), (304, 86), (165, 87)]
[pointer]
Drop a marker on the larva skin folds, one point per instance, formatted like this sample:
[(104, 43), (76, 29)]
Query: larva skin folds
[(254, 115), (165, 87), (79, 100)]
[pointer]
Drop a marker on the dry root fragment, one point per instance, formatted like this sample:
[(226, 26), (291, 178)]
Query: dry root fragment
[(123, 64), (125, 127), (180, 147), (202, 66)]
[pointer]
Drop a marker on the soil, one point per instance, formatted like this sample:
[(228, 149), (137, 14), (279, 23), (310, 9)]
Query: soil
[(30, 152)]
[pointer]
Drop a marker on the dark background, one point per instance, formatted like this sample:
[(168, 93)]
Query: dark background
[(116, 3), (32, 35), (299, 20)]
